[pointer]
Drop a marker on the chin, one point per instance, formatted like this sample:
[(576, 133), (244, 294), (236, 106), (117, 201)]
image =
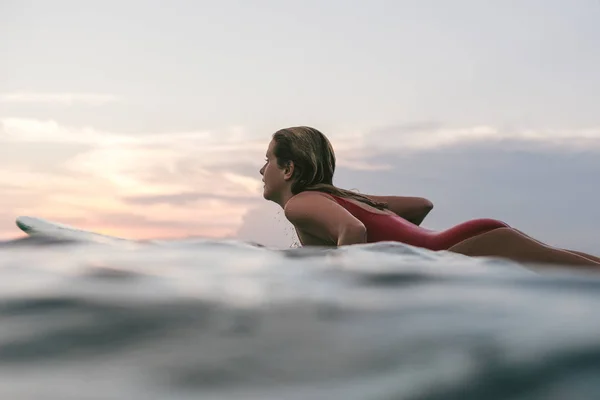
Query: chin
[(266, 195), (270, 196)]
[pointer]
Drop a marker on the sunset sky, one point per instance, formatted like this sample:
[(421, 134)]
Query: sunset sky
[(150, 119)]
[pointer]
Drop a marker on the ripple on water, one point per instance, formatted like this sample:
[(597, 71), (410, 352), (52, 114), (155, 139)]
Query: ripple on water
[(228, 320)]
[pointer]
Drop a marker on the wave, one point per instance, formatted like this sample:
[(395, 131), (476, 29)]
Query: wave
[(203, 318)]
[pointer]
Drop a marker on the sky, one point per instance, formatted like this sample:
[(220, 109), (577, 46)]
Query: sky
[(142, 120)]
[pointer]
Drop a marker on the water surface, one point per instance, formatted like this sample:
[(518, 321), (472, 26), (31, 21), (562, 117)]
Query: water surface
[(229, 320)]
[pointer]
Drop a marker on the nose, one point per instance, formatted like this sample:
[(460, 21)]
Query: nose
[(262, 171)]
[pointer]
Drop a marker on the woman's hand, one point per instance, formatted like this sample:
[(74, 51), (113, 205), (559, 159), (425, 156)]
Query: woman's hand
[(412, 209)]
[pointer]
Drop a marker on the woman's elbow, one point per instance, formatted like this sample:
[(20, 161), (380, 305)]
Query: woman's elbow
[(427, 204), (353, 234), (423, 210)]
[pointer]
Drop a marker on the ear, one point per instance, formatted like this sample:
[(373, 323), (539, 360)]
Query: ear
[(288, 171)]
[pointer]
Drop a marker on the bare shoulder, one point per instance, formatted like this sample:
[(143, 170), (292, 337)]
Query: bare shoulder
[(309, 201), (316, 209), (318, 215)]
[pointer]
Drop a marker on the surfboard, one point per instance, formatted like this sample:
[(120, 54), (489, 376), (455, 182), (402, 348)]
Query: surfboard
[(34, 226)]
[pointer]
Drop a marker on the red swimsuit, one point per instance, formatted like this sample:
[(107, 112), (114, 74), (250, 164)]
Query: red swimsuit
[(385, 227)]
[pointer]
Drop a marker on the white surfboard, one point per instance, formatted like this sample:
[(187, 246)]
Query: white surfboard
[(34, 226)]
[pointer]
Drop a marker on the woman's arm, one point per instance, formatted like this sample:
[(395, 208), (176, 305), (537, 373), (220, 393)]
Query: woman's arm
[(319, 215), (413, 209)]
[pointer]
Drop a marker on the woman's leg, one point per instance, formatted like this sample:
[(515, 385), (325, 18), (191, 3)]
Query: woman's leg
[(511, 244), (586, 255)]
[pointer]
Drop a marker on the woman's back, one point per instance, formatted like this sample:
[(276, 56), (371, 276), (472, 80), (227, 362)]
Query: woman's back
[(386, 226)]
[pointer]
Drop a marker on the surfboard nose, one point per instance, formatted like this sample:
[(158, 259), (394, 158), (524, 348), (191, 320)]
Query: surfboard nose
[(22, 226)]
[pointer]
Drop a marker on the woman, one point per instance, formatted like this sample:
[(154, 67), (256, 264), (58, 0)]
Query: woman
[(298, 175)]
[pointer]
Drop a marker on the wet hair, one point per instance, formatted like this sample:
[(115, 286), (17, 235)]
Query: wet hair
[(314, 162)]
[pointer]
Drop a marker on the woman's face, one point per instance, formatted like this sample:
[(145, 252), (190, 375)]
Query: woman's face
[(273, 175)]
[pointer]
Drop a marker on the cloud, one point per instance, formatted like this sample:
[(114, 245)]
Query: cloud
[(548, 192), (188, 198), (149, 163), (49, 131), (94, 99), (541, 182), (143, 226), (207, 183), (154, 175), (265, 224), (430, 135)]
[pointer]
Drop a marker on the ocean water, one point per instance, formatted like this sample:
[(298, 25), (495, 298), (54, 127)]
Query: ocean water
[(202, 319)]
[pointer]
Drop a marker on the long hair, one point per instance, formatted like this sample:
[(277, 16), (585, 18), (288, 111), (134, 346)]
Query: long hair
[(314, 162)]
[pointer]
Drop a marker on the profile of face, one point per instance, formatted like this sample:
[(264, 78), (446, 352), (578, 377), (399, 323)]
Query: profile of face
[(275, 178), (297, 158)]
